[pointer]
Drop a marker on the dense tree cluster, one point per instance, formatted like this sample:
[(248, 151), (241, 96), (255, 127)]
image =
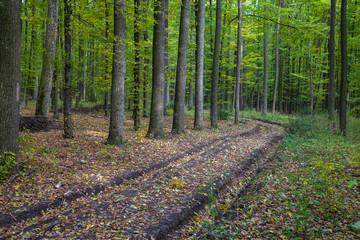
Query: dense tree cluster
[(255, 54)]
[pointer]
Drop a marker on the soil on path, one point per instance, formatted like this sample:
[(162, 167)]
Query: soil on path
[(146, 189)]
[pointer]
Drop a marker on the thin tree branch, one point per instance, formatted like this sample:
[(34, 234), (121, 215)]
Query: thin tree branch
[(252, 15)]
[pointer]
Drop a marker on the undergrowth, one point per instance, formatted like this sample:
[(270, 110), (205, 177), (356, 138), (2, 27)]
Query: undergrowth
[(311, 192)]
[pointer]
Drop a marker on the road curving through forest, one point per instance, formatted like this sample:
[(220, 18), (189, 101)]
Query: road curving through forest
[(148, 202)]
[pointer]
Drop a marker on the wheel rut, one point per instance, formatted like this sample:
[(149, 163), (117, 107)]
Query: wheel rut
[(153, 201)]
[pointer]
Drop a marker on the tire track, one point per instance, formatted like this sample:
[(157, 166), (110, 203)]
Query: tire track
[(38, 209)]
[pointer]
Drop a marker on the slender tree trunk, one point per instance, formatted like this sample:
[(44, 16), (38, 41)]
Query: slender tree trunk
[(276, 66), (238, 63), (146, 64), (68, 129), (199, 94), (10, 74), (181, 69), (156, 126), (311, 79), (344, 68), (331, 49), (117, 116), (215, 72), (43, 100), (191, 70), (146, 72), (265, 86), (107, 56), (55, 82), (280, 78), (167, 58), (136, 89)]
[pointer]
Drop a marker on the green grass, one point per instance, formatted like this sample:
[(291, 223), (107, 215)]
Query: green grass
[(312, 193), (281, 118)]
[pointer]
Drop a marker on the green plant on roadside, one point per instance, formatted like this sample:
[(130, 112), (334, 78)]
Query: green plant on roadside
[(224, 114), (7, 162)]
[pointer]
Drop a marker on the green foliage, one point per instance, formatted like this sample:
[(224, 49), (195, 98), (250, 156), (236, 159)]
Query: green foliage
[(7, 162), (313, 193), (224, 114), (302, 125), (170, 105), (281, 118)]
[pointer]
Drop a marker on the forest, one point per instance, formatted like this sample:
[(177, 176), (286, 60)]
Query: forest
[(179, 119)]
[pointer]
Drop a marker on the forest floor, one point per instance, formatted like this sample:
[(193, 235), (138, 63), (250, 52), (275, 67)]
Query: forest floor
[(81, 188)]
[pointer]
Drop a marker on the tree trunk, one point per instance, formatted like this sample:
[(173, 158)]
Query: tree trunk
[(311, 79), (167, 58), (146, 73), (68, 129), (191, 70), (55, 83), (331, 49), (265, 86), (10, 74), (215, 71), (344, 68), (43, 99), (199, 93), (238, 63), (156, 126), (117, 117), (181, 69), (276, 66), (136, 88)]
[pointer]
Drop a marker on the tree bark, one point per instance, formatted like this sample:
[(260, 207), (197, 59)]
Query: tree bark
[(199, 92), (344, 68), (10, 74), (156, 126), (265, 86), (331, 49), (215, 71), (44, 93), (181, 69), (136, 93), (68, 129), (276, 66), (117, 116), (167, 58), (311, 79), (238, 63)]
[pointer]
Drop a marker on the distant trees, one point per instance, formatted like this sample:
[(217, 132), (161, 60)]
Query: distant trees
[(241, 62), (10, 72)]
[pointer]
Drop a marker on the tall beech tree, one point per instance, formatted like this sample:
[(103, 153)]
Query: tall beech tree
[(331, 57), (215, 69), (156, 125), (344, 68), (68, 128), (179, 104), (199, 92), (117, 117), (136, 88), (10, 74), (44, 93), (265, 84), (238, 63)]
